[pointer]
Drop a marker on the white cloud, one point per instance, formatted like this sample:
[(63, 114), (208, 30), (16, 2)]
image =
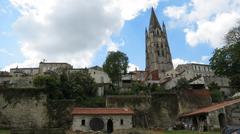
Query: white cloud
[(175, 12), (178, 61), (132, 67), (205, 21), (71, 30), (205, 58)]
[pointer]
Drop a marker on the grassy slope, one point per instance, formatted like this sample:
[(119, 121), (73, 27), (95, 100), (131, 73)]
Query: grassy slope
[(188, 132), (4, 132)]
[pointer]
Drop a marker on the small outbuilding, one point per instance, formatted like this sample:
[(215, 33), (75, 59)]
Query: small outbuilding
[(101, 119), (215, 116)]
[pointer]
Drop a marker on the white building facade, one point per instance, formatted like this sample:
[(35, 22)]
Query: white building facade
[(101, 119)]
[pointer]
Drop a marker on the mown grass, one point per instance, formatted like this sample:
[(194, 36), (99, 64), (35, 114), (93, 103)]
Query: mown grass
[(147, 131), (188, 132), (4, 132)]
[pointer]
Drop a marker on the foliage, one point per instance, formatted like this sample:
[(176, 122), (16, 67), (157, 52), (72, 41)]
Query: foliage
[(93, 102), (156, 88), (48, 81), (215, 92), (138, 88), (51, 83), (233, 36), (182, 84), (115, 65), (12, 95), (226, 60), (81, 85), (74, 85)]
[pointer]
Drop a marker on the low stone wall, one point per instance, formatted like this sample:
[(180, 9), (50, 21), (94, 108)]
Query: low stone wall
[(23, 108)]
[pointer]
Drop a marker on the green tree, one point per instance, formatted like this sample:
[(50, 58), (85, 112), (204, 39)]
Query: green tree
[(182, 84), (75, 85), (215, 92), (115, 65), (81, 85), (138, 88), (51, 83), (226, 60)]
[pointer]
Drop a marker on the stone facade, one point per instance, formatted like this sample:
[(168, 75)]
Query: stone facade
[(23, 77), (216, 116), (45, 67), (119, 122), (158, 55), (192, 70), (5, 78), (101, 119), (26, 71), (200, 74)]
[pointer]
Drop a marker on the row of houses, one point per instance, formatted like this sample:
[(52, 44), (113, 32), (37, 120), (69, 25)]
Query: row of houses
[(23, 77), (199, 74)]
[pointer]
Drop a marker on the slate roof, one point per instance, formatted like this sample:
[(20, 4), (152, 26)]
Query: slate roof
[(213, 107), (102, 111)]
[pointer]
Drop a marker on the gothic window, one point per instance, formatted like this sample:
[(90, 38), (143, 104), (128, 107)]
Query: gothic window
[(159, 59), (158, 53), (163, 53), (152, 55), (157, 32)]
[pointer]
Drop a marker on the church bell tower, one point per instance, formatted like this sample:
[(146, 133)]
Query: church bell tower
[(158, 55)]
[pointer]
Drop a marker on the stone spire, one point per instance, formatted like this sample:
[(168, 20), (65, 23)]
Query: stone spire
[(164, 28), (158, 55), (154, 21)]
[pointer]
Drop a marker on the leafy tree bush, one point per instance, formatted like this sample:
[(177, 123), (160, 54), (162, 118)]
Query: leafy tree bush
[(51, 83), (182, 84), (226, 60), (115, 65), (75, 85), (138, 88), (215, 92)]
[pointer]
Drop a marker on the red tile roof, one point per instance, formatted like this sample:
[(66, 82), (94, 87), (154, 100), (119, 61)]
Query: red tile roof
[(102, 111), (213, 107)]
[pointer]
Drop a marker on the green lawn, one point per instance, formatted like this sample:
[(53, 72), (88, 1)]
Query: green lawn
[(188, 132), (4, 132)]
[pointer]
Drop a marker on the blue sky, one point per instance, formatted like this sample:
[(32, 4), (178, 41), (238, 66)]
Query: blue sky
[(81, 32)]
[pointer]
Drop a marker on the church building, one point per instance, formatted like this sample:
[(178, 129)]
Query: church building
[(158, 55)]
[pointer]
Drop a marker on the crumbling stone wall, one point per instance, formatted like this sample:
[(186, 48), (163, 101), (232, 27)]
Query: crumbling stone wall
[(60, 113), (139, 103), (23, 108), (164, 110), (30, 108), (233, 114), (160, 110), (156, 111), (190, 100)]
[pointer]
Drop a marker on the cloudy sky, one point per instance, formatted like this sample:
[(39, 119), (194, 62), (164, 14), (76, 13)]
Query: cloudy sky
[(82, 32)]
